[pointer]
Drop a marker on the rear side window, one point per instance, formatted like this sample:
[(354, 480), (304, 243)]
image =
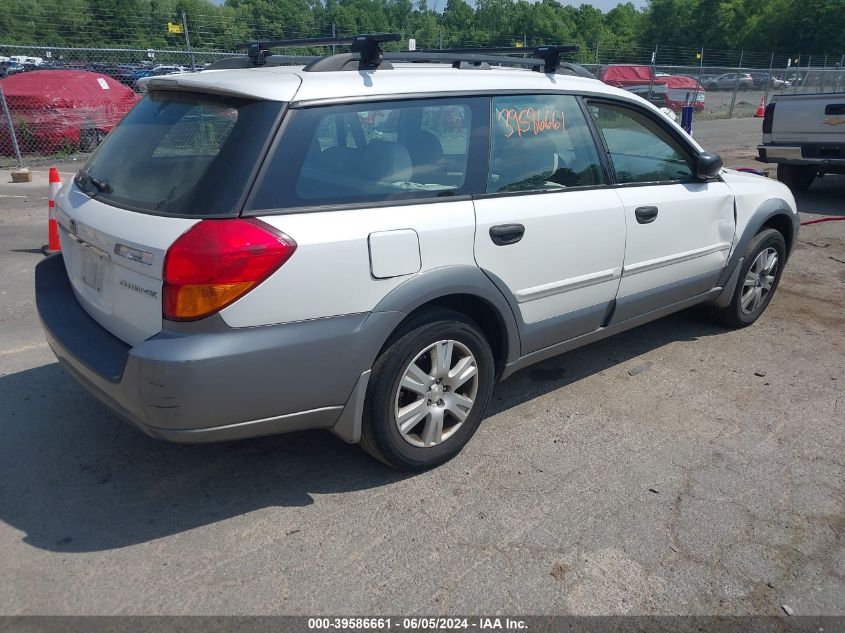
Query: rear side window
[(181, 154), (541, 142), (373, 152), (640, 149)]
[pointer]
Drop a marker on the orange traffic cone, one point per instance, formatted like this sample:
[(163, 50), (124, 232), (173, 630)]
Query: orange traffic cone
[(53, 244), (761, 109)]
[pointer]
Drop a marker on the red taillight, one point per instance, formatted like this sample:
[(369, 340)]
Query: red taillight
[(217, 261), (768, 116)]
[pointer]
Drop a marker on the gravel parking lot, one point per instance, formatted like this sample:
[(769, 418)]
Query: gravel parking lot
[(679, 468), (717, 103)]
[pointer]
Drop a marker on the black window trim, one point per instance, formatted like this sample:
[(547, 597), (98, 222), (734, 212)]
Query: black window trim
[(691, 152), (598, 141), (475, 176), (584, 97)]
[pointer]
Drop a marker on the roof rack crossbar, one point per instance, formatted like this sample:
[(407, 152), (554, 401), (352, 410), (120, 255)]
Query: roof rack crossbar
[(449, 57), (549, 55), (367, 46)]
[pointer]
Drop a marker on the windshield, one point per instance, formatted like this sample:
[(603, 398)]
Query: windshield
[(180, 153)]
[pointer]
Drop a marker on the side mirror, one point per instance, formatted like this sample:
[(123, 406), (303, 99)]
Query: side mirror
[(708, 165)]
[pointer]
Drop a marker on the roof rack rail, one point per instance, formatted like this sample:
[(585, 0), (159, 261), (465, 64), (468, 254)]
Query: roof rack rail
[(460, 59), (545, 58), (239, 61), (366, 54), (366, 49)]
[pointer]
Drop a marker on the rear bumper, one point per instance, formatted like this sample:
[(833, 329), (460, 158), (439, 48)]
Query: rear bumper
[(220, 384), (798, 155)]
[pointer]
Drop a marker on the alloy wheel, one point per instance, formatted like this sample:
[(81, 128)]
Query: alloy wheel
[(436, 393), (758, 280)]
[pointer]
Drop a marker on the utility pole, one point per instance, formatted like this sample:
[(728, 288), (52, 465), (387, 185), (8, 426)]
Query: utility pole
[(188, 42), (8, 118), (736, 85), (700, 74), (824, 74), (651, 82), (807, 74), (839, 74), (771, 78)]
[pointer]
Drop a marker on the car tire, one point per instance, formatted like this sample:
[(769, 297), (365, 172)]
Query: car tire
[(797, 177), (419, 413), (757, 282)]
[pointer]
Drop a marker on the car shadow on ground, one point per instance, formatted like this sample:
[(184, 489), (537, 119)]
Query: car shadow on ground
[(74, 478), (826, 196), (621, 350)]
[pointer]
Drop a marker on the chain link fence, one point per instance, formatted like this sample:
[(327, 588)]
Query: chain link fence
[(63, 117), (45, 122)]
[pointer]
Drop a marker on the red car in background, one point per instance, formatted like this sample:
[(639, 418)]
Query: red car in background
[(56, 110), (671, 91)]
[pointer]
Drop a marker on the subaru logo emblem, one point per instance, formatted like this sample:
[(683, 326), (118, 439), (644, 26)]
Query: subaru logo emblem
[(73, 228)]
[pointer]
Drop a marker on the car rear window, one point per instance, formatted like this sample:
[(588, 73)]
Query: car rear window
[(179, 153)]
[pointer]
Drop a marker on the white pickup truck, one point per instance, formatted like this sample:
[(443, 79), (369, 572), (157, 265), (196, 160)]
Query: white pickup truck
[(805, 135)]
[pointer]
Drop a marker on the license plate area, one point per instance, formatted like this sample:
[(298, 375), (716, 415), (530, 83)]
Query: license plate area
[(91, 267)]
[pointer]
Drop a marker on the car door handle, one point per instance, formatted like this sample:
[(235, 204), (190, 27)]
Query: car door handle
[(504, 234), (645, 215)]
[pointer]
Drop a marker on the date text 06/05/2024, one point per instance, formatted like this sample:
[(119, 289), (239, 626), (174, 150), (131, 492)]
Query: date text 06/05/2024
[(416, 624)]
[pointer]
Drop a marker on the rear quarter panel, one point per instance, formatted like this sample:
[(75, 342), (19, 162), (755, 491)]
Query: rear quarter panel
[(330, 273)]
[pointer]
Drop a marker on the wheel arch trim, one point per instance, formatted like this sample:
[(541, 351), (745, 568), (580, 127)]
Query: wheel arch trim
[(771, 208), (447, 281)]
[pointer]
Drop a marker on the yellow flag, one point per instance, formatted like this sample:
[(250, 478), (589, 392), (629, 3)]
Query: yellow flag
[(174, 28), (518, 44)]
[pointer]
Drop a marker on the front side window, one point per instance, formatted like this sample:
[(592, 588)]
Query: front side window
[(640, 149), (372, 152), (541, 142)]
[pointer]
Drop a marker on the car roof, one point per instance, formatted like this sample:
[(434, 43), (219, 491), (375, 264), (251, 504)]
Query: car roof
[(290, 83)]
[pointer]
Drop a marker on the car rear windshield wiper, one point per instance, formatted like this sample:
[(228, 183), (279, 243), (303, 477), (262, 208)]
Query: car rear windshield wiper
[(100, 185)]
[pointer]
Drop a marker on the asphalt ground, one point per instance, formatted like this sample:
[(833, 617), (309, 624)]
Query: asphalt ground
[(679, 468)]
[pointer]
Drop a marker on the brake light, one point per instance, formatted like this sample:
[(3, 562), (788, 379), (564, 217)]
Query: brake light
[(216, 262), (768, 116)]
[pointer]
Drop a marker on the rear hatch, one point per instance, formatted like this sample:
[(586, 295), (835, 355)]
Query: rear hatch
[(809, 119), (177, 158)]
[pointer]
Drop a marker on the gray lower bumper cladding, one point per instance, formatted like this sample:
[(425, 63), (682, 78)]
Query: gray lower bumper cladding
[(220, 385)]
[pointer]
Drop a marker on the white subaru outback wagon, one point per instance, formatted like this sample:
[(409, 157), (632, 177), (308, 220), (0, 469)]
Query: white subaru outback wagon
[(366, 242)]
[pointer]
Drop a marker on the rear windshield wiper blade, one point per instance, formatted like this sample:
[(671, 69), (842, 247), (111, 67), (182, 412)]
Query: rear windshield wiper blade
[(100, 185)]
